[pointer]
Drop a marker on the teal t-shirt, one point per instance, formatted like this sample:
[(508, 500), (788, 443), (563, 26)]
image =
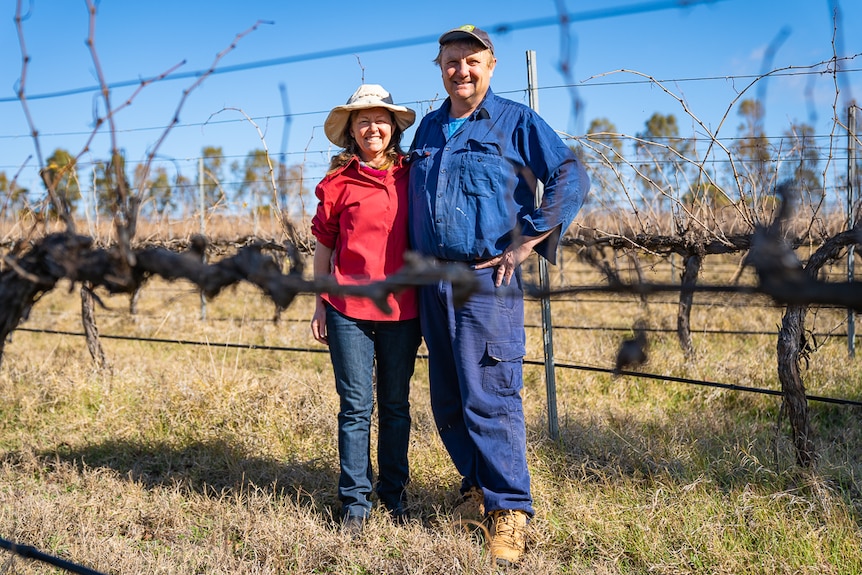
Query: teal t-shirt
[(453, 125)]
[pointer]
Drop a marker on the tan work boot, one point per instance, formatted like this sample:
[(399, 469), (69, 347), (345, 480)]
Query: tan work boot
[(508, 536), (472, 506)]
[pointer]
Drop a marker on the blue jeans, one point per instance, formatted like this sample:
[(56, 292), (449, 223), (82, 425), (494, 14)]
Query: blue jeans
[(354, 345), (475, 362)]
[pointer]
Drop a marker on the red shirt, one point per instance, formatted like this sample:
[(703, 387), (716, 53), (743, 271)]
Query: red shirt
[(362, 217)]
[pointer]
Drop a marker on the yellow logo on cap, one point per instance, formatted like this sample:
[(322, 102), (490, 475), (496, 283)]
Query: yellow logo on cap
[(468, 27)]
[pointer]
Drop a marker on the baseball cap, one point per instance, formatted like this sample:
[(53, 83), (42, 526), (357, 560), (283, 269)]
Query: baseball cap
[(468, 31)]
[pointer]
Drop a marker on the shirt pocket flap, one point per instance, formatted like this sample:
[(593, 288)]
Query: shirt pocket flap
[(415, 156), (492, 148)]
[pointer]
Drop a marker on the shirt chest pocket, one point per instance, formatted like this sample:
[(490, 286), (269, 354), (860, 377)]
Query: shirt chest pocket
[(482, 170)]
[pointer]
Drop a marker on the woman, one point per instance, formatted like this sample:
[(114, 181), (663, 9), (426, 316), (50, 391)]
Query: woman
[(361, 231)]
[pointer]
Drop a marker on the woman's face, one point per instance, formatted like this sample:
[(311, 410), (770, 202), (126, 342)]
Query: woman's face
[(372, 130)]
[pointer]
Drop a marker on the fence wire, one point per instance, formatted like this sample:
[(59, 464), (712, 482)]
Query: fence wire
[(561, 365)]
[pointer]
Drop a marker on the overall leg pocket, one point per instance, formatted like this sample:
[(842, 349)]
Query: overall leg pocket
[(501, 367)]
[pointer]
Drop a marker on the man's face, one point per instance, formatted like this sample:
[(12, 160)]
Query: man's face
[(467, 73)]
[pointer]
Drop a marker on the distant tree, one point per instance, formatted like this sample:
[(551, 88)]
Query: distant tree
[(255, 180), (661, 152), (109, 178), (101, 190), (159, 189), (605, 133), (804, 156), (661, 127), (752, 152), (601, 152), (212, 178), (61, 174), (705, 194), (5, 207), (183, 188), (13, 199), (292, 191)]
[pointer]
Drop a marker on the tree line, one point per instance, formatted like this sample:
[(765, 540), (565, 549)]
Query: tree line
[(668, 167), (659, 169), (169, 193)]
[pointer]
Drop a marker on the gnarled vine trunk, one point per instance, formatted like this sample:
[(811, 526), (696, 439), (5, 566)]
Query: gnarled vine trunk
[(794, 403), (88, 319), (792, 346), (691, 269)]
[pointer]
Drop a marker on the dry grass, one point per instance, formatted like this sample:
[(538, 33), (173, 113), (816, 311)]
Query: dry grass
[(206, 459)]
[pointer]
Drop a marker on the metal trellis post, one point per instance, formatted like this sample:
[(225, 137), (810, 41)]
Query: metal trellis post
[(203, 207), (851, 182), (544, 281)]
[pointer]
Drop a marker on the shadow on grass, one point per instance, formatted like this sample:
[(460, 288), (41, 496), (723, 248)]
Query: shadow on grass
[(730, 448), (715, 451), (218, 467), (211, 468)]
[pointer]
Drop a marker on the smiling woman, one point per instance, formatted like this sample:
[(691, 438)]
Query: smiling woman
[(361, 231), (372, 130)]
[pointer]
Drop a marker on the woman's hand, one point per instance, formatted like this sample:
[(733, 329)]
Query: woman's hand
[(322, 268), (318, 322)]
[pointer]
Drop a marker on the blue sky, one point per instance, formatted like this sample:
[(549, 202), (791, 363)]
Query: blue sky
[(706, 53)]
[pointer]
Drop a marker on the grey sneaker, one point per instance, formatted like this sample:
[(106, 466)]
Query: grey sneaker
[(353, 525)]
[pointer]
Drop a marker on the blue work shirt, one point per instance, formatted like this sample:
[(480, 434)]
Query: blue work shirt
[(472, 193)]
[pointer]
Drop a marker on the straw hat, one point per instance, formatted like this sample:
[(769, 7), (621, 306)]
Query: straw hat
[(366, 96)]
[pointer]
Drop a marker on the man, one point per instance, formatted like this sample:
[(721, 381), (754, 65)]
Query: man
[(475, 163)]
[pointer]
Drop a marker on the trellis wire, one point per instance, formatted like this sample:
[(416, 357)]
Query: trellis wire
[(573, 366), (30, 552)]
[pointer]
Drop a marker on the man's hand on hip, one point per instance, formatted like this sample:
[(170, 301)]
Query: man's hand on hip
[(509, 260)]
